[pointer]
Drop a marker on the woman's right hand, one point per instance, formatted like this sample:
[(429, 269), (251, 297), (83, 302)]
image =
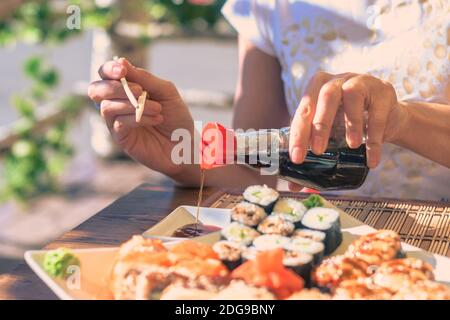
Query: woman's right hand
[(148, 141)]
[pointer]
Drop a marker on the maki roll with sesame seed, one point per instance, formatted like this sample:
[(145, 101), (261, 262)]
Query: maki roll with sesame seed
[(299, 262), (262, 196), (290, 209), (314, 235), (325, 220), (239, 233), (314, 248), (229, 252), (248, 213), (275, 224), (270, 242)]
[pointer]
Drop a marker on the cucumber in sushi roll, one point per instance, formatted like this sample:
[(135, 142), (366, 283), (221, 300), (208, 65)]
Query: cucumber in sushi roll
[(299, 262), (229, 252), (270, 242), (248, 213), (325, 220), (290, 209), (275, 224), (263, 196), (315, 235), (239, 233), (314, 248)]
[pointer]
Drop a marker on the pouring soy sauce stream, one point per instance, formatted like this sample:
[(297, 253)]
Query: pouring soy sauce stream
[(196, 229)]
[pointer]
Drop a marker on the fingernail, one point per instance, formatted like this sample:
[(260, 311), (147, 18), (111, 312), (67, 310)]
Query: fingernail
[(372, 161), (317, 144), (353, 139), (117, 70), (297, 155)]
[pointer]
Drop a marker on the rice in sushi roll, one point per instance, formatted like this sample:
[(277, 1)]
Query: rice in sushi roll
[(263, 196), (248, 213), (290, 209), (240, 233), (249, 253), (275, 224), (314, 235), (299, 262), (270, 242), (314, 248), (325, 220), (229, 253)]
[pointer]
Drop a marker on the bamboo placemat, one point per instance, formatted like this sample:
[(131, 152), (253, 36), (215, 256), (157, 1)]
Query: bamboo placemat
[(422, 224)]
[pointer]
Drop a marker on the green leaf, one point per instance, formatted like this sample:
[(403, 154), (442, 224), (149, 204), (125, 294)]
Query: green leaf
[(32, 66), (24, 106), (313, 201), (50, 78)]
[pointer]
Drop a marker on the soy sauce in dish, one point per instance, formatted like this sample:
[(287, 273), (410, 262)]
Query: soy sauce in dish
[(196, 229)]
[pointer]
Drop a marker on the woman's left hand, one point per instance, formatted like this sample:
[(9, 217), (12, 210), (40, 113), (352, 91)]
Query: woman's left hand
[(369, 104)]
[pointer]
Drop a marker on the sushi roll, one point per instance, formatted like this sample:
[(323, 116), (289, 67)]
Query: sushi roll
[(310, 294), (270, 242), (248, 213), (239, 233), (361, 289), (377, 247), (314, 235), (263, 196), (335, 270), (314, 248), (275, 224), (424, 290), (325, 220), (299, 262), (249, 253), (397, 273), (239, 290), (229, 253), (290, 209)]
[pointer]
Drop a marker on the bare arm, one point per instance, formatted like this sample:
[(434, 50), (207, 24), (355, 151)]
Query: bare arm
[(259, 103), (426, 130)]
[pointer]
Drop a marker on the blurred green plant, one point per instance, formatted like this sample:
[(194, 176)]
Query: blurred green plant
[(43, 21), (35, 161), (188, 14)]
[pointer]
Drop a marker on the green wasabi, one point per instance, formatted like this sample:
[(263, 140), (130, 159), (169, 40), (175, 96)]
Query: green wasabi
[(313, 201), (56, 262)]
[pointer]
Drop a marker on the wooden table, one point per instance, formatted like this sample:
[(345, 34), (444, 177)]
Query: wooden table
[(423, 224), (131, 214)]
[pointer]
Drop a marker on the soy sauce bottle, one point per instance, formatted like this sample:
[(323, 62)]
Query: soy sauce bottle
[(338, 168)]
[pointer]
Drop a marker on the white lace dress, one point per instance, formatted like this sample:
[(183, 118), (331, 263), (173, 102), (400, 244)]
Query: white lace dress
[(404, 42)]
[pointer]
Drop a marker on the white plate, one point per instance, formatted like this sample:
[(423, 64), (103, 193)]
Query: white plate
[(96, 263)]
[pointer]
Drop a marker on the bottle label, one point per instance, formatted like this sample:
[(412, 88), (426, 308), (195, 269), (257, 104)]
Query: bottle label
[(257, 148)]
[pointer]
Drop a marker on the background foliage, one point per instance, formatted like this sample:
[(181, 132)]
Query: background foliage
[(35, 161)]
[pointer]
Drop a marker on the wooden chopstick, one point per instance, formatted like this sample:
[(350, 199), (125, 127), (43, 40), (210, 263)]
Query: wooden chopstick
[(139, 104)]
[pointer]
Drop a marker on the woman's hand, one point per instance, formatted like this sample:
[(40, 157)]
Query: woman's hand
[(149, 140), (369, 104)]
